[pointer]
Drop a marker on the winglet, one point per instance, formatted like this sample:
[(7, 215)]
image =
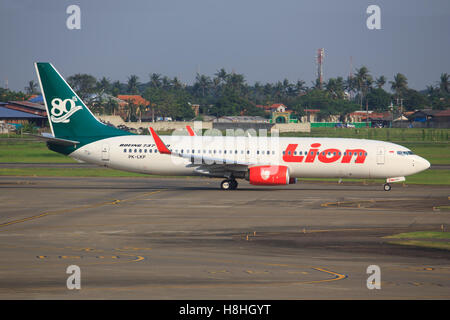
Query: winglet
[(159, 144), (191, 132)]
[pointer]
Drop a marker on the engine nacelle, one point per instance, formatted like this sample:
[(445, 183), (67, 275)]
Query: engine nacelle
[(268, 175)]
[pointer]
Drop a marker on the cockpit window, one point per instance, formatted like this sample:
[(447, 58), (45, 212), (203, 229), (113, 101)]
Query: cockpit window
[(405, 153)]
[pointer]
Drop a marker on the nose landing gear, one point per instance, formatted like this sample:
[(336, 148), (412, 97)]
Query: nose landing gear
[(387, 187)]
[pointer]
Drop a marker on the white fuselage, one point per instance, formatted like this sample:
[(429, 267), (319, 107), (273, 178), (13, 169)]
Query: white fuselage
[(305, 157)]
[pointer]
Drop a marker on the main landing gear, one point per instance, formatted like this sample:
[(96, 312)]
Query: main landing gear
[(387, 187), (229, 184)]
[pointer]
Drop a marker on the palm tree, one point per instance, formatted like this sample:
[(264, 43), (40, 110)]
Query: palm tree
[(399, 85), (132, 85), (278, 91), (176, 83), (300, 87), (131, 110), (155, 80), (380, 82), (32, 87), (104, 85), (221, 75), (116, 88), (431, 90), (110, 106), (363, 82), (335, 87), (351, 85), (203, 82), (236, 81), (443, 84), (165, 83)]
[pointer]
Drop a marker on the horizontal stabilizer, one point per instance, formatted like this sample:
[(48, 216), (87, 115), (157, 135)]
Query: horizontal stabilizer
[(52, 139)]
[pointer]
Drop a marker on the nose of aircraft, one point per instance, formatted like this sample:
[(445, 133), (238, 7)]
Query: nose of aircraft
[(421, 164)]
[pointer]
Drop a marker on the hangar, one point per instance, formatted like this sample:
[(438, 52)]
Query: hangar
[(19, 118)]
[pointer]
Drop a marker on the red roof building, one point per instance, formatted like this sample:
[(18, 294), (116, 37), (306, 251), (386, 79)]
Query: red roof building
[(278, 107), (135, 99)]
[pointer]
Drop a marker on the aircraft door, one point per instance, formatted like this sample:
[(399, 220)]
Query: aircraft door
[(105, 152), (380, 155)]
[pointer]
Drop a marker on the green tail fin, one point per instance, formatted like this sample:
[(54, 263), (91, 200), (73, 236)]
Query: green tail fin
[(68, 116)]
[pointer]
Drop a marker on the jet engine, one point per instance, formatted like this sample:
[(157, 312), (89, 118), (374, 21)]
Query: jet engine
[(269, 175)]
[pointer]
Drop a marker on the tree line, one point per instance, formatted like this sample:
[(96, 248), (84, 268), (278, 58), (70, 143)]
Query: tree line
[(227, 93)]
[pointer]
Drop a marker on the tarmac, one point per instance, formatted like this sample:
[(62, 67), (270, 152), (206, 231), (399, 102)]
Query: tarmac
[(184, 238)]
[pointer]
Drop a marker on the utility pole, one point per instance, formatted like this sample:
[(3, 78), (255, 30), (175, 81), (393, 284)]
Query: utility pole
[(320, 56), (153, 112), (367, 112)]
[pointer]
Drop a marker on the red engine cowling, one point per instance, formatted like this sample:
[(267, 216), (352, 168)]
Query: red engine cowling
[(268, 175)]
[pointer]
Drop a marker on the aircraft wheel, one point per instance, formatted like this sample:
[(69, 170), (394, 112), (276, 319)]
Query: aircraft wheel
[(387, 187), (234, 184), (226, 185)]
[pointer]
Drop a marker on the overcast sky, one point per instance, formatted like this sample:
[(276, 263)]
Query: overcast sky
[(265, 40)]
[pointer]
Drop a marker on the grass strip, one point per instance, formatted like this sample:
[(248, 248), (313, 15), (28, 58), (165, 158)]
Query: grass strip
[(423, 244), (421, 235)]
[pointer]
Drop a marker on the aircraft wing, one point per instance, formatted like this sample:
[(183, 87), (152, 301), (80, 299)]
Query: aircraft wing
[(205, 165)]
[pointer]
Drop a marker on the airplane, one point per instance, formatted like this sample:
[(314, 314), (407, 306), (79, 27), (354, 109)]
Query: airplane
[(263, 161)]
